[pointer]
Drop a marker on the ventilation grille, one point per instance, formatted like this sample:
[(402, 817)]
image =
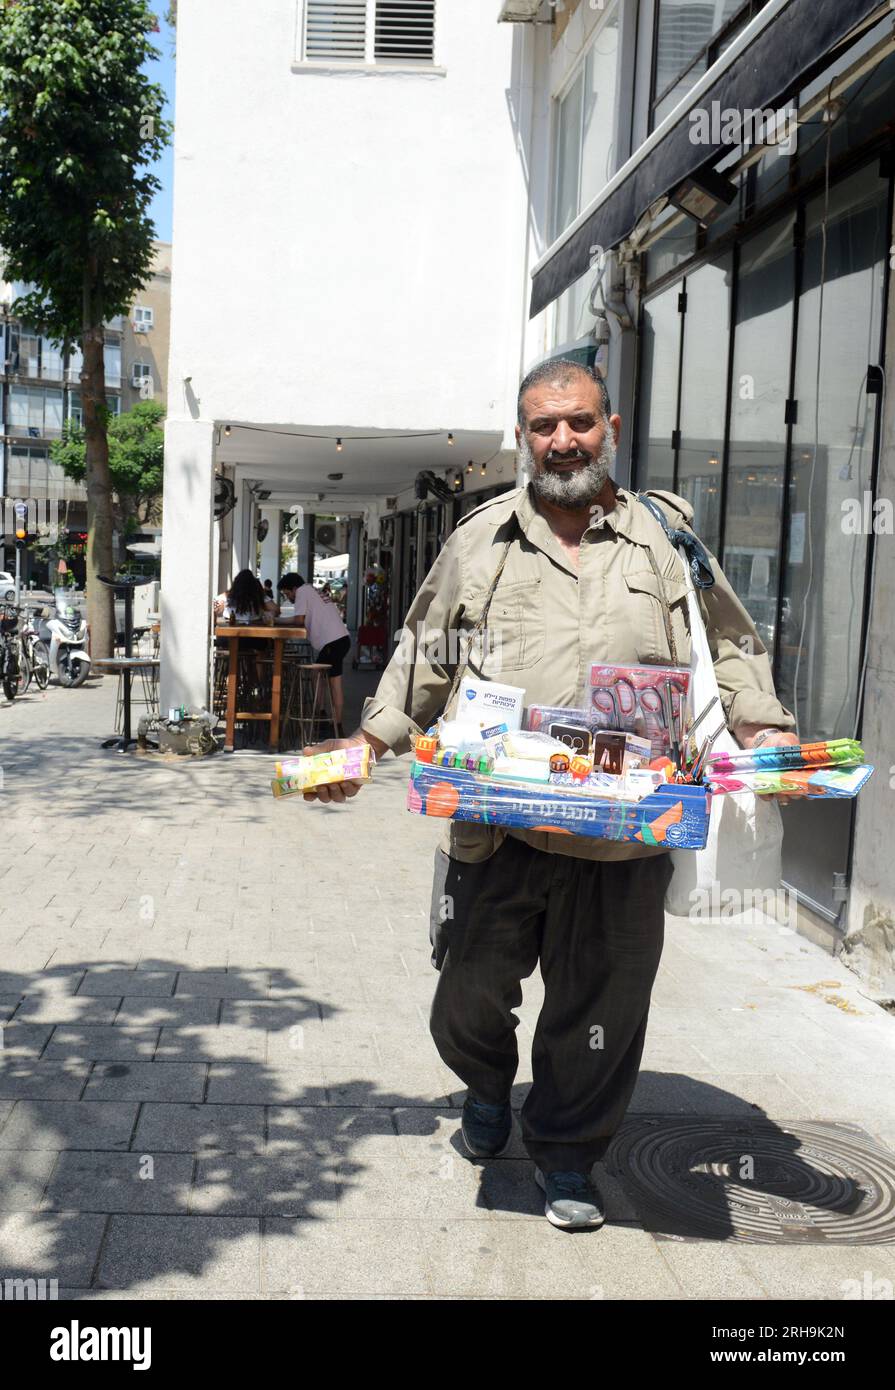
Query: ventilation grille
[(335, 29), (405, 31)]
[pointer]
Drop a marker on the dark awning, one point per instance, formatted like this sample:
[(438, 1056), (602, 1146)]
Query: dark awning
[(784, 56)]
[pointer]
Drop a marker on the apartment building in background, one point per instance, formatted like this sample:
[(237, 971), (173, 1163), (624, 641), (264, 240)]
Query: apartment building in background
[(40, 392)]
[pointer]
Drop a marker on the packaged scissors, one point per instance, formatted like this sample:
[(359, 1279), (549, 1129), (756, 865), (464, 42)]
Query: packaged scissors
[(636, 699)]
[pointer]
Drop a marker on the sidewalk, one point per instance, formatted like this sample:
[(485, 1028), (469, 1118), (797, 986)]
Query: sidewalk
[(217, 1080)]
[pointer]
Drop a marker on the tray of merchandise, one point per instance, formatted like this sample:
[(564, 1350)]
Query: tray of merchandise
[(675, 815)]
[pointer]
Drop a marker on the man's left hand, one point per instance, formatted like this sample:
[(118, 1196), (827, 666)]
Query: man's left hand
[(780, 739)]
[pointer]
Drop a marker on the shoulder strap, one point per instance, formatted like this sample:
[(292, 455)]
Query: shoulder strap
[(695, 553), (476, 632)]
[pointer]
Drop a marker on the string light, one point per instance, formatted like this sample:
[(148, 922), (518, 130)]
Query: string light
[(338, 446), (469, 466), (484, 469), (226, 431), (450, 439)]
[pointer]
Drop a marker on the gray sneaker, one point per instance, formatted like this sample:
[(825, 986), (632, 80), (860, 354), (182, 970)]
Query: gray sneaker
[(486, 1128), (573, 1202)]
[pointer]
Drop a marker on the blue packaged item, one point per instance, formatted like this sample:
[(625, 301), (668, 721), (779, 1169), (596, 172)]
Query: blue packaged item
[(675, 815)]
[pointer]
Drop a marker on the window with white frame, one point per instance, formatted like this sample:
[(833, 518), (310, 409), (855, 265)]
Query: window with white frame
[(34, 411), (112, 363), (143, 318), (75, 414), (399, 32), (584, 131)]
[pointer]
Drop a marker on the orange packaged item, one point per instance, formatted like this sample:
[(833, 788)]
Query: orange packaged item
[(424, 748)]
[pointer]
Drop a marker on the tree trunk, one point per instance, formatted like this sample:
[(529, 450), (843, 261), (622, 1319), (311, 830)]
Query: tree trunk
[(100, 598)]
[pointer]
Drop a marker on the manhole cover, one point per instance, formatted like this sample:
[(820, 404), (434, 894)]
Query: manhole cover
[(741, 1179)]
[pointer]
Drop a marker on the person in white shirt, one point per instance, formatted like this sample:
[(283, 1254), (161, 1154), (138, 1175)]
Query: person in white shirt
[(327, 634)]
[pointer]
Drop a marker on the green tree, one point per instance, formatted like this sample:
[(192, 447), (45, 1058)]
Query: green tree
[(80, 126), (136, 461)]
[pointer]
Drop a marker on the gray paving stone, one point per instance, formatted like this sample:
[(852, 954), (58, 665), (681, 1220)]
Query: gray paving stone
[(219, 984), (531, 1259), (23, 1177), (156, 1081), (710, 1270), (316, 1257), (812, 1272), (23, 1039), (41, 982), (121, 982), (120, 1182), (48, 1124), (260, 1084), (42, 1080), (102, 1042), (228, 1185), (176, 1012), (213, 1042), (194, 1253), (58, 1008), (61, 1246), (200, 1128), (364, 1138)]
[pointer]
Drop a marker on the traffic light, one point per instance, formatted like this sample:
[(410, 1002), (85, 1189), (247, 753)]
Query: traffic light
[(21, 525)]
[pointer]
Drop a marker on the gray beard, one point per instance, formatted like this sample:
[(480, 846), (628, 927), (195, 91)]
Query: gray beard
[(574, 490)]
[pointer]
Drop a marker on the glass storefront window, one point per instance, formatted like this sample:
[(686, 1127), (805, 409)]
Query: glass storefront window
[(671, 249), (825, 564), (757, 449), (657, 401), (703, 392), (683, 46)]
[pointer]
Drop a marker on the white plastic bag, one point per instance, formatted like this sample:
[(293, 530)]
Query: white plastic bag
[(743, 849)]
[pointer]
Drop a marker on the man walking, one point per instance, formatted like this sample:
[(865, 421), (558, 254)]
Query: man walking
[(584, 572)]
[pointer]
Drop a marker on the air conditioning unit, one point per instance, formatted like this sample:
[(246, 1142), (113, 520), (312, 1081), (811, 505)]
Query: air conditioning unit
[(137, 378), (325, 534)]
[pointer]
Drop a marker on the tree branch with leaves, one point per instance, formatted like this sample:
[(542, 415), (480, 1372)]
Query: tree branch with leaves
[(80, 128)]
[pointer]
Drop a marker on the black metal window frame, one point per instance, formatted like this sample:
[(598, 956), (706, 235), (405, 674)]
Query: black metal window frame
[(710, 51)]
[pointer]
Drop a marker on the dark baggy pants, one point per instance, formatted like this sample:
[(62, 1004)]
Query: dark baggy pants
[(597, 928)]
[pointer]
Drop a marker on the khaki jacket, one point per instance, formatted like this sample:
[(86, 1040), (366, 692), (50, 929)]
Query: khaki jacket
[(547, 624)]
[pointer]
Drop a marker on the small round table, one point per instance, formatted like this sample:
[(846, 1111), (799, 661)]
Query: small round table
[(126, 666)]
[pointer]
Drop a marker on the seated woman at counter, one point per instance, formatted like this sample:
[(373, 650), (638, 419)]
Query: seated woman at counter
[(245, 605)]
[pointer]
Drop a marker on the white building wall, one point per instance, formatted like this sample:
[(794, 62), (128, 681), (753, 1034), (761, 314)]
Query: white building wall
[(365, 225)]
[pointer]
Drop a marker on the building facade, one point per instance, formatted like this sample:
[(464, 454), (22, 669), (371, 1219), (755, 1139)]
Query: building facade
[(366, 174), (719, 181)]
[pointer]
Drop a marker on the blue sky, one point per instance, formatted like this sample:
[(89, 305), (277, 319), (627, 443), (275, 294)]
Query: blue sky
[(162, 70)]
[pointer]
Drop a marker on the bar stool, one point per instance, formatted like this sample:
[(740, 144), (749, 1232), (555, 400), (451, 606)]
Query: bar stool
[(306, 686)]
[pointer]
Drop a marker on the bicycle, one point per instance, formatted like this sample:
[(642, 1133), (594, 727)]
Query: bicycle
[(35, 658), (10, 650)]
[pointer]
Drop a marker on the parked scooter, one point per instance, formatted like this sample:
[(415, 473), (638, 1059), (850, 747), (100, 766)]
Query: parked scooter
[(65, 633)]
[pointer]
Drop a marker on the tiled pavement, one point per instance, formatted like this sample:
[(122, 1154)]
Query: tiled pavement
[(217, 1079)]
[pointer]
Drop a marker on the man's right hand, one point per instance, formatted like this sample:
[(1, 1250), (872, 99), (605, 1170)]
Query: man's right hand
[(338, 791)]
